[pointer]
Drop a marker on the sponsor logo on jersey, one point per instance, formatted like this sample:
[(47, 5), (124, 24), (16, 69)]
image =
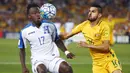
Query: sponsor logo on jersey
[(31, 32)]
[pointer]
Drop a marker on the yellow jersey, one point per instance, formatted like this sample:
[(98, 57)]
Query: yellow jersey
[(95, 35)]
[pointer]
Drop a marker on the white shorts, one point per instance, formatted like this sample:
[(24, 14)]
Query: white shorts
[(52, 65)]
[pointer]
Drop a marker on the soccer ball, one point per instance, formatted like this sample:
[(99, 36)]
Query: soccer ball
[(48, 11)]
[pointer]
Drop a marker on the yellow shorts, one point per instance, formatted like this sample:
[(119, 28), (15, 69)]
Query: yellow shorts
[(107, 66)]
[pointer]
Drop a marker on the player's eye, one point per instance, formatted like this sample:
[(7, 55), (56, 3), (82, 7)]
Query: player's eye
[(89, 11), (93, 11), (38, 12)]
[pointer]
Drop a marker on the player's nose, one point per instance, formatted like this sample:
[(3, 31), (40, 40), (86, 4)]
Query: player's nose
[(89, 14), (38, 14)]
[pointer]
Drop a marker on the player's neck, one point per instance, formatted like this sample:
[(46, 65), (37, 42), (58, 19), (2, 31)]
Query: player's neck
[(94, 23), (37, 24)]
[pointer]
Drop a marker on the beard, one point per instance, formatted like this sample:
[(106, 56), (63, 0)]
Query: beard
[(92, 19), (37, 22)]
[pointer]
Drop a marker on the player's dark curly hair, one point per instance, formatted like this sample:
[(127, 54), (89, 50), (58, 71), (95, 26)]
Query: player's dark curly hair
[(97, 6), (30, 6)]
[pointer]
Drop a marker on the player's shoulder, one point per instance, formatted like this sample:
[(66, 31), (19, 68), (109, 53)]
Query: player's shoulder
[(27, 26), (47, 22), (103, 24), (86, 22)]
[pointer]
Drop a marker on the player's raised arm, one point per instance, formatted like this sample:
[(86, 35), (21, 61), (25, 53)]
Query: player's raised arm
[(66, 35), (74, 31)]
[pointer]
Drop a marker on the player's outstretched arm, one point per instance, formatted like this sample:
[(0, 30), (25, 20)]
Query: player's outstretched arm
[(67, 35), (22, 60), (74, 31), (61, 45), (101, 48)]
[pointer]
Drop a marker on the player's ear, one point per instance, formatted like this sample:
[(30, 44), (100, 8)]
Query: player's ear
[(29, 16), (100, 15)]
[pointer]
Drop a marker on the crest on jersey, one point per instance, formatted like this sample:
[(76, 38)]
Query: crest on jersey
[(97, 35)]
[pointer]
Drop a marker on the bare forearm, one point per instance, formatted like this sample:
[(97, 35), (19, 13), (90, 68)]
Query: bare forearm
[(22, 58), (61, 45), (102, 48), (71, 34), (67, 35)]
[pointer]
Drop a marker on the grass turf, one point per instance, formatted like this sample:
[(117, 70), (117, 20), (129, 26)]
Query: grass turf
[(9, 57)]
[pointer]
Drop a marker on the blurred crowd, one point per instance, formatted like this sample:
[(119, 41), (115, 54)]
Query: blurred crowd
[(13, 13)]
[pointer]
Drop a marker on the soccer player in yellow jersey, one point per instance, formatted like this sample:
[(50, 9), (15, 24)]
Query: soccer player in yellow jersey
[(96, 33), (111, 23), (111, 26)]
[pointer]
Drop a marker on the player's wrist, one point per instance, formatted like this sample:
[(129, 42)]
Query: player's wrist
[(67, 52)]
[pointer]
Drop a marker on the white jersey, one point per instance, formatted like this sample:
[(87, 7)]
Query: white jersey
[(41, 39)]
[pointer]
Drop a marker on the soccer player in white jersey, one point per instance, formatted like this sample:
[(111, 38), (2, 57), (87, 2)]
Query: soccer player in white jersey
[(43, 40)]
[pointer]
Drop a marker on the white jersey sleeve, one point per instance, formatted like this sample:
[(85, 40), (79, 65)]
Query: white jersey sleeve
[(55, 35), (22, 41)]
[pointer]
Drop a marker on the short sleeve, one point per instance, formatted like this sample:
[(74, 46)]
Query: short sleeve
[(78, 28), (22, 41), (54, 35)]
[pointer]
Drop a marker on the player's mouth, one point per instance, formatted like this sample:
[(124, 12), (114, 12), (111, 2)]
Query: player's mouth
[(39, 18), (89, 17)]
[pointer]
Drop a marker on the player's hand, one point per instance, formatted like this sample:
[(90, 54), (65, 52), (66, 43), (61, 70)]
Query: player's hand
[(25, 70), (69, 55), (83, 44)]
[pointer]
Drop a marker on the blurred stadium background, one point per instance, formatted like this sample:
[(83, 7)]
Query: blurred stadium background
[(13, 19)]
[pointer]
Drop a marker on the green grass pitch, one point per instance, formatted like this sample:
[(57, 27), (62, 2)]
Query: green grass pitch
[(9, 57)]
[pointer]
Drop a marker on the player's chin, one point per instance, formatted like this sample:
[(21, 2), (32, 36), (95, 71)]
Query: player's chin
[(38, 20)]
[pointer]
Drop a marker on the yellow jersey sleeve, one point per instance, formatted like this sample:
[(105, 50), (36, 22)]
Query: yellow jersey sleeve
[(78, 28), (105, 32)]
